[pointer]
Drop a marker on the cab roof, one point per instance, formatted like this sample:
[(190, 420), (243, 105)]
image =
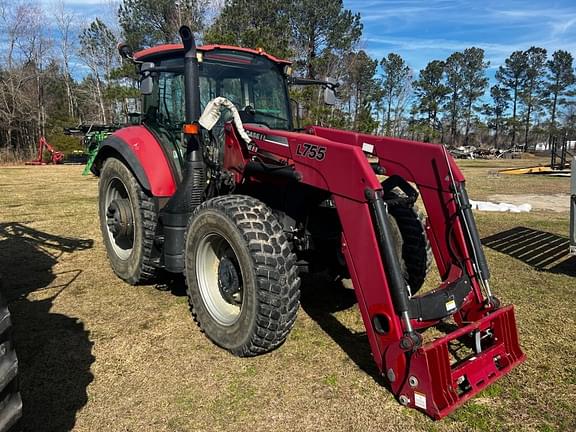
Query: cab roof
[(159, 51)]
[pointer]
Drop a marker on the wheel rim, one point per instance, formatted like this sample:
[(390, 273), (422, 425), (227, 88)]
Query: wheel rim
[(119, 219), (220, 278)]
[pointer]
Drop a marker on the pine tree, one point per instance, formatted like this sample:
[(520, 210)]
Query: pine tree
[(254, 23), (454, 82), (474, 82), (362, 86), (146, 23), (319, 26), (500, 98), (396, 79), (431, 93), (511, 75), (533, 85), (560, 81)]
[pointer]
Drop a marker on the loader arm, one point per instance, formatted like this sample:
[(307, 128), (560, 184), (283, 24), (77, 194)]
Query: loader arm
[(423, 376)]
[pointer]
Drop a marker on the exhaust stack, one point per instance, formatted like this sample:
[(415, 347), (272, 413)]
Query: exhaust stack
[(191, 79), (188, 196)]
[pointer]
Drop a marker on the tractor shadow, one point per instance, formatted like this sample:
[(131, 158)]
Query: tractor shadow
[(54, 350), (320, 299), (539, 249), (173, 283)]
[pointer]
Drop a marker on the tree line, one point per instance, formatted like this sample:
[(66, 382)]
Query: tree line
[(56, 76)]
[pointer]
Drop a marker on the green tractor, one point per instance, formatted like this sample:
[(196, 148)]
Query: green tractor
[(92, 135)]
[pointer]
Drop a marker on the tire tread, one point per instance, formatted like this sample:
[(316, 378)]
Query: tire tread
[(277, 281), (146, 205), (416, 249)]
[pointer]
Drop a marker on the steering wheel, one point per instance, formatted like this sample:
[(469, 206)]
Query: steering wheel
[(249, 109), (248, 115)]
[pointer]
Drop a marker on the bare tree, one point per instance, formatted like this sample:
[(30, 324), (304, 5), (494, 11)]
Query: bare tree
[(402, 101), (22, 109), (66, 47), (36, 48), (98, 52)]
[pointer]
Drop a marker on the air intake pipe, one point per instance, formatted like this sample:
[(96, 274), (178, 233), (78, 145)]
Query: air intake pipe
[(188, 196)]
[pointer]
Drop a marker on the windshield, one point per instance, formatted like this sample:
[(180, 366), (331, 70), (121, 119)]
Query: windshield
[(253, 84), (256, 89)]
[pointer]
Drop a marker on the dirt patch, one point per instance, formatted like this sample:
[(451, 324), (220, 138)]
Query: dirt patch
[(555, 202)]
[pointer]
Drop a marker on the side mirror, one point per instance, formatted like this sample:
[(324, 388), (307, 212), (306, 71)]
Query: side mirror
[(146, 82), (329, 96), (329, 91), (147, 85), (125, 51)]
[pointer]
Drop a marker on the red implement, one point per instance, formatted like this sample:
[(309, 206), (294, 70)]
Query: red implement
[(56, 157)]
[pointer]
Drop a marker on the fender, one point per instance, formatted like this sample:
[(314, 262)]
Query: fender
[(144, 157)]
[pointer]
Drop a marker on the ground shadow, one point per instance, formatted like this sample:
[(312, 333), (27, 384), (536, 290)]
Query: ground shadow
[(173, 283), (539, 249), (54, 350), (320, 298)]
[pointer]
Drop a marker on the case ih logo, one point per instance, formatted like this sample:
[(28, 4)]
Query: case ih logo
[(256, 135), (274, 139)]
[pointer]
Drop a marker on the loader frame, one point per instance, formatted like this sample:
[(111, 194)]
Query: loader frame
[(422, 376)]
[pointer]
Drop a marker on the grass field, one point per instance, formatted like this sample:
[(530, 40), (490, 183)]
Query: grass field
[(99, 355)]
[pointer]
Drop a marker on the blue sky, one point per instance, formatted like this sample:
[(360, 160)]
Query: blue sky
[(421, 31)]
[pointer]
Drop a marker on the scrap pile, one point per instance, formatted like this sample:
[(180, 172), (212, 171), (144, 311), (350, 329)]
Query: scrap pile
[(472, 152)]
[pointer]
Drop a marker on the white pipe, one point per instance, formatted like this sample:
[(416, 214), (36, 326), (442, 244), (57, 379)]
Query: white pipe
[(212, 114)]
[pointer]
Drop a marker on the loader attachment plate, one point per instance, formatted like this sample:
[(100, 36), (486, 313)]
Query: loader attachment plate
[(437, 384)]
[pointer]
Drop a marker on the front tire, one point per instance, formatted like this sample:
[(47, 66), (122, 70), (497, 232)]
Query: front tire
[(243, 286), (128, 218), (413, 248)]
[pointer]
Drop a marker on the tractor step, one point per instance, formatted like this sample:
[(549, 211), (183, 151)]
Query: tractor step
[(439, 381)]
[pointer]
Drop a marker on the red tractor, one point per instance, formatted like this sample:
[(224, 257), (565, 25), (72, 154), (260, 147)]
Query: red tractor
[(217, 184)]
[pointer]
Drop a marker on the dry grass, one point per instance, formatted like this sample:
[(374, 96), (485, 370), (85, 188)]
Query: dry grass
[(97, 354)]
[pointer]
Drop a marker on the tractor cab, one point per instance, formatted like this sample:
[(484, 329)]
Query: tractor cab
[(255, 82)]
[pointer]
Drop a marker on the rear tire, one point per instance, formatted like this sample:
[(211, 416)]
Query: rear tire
[(129, 243), (243, 286)]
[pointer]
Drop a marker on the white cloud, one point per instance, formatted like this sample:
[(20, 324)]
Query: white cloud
[(563, 26), (420, 51)]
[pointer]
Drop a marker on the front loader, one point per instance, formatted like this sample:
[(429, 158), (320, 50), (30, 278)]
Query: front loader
[(216, 183)]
